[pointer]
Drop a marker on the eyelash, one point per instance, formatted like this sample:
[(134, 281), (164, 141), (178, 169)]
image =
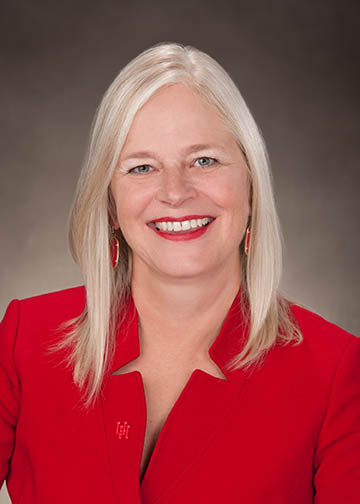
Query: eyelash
[(132, 170), (207, 157), (136, 167)]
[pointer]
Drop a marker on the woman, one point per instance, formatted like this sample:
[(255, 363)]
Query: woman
[(179, 373)]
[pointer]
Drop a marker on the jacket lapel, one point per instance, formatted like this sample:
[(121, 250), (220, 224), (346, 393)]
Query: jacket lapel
[(192, 422)]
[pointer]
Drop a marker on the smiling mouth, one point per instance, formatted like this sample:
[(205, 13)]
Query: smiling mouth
[(182, 226)]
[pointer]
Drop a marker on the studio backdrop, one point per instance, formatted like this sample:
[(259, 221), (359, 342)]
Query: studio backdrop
[(296, 64)]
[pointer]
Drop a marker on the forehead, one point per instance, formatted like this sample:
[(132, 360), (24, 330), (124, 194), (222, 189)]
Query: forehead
[(176, 115)]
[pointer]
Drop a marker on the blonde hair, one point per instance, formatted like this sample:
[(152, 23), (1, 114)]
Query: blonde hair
[(92, 334)]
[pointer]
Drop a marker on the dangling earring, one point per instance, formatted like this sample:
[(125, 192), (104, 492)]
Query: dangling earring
[(115, 249), (247, 241)]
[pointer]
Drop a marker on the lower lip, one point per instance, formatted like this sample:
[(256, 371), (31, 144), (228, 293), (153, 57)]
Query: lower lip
[(185, 236)]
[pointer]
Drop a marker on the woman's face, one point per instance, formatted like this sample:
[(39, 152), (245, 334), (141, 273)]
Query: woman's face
[(181, 188)]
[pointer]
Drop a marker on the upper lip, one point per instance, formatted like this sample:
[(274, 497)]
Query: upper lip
[(180, 219)]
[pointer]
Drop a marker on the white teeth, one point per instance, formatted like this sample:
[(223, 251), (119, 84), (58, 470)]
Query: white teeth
[(183, 225)]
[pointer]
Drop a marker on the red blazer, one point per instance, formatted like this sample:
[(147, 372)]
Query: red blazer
[(286, 432)]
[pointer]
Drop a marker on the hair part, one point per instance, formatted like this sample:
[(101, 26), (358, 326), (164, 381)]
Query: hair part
[(92, 334)]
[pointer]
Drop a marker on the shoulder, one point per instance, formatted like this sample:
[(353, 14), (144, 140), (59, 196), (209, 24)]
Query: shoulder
[(315, 360), (35, 322), (41, 316), (53, 307), (319, 332), (57, 306), (324, 347), (327, 359)]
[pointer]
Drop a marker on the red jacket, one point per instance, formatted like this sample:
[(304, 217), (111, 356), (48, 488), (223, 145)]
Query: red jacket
[(286, 432)]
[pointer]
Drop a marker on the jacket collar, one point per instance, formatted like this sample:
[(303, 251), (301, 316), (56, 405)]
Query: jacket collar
[(229, 341)]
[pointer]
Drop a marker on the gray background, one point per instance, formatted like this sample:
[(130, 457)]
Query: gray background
[(296, 64)]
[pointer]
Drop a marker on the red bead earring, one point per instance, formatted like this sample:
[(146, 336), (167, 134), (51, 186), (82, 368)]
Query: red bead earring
[(247, 241), (115, 250)]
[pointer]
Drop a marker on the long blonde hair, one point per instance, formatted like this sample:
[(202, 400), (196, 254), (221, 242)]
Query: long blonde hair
[(92, 334)]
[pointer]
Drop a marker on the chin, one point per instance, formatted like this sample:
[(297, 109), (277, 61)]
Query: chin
[(182, 271)]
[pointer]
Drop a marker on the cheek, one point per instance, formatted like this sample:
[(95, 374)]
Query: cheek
[(233, 196), (130, 202), (240, 196)]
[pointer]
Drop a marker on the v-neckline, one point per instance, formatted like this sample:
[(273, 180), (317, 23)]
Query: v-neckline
[(168, 420)]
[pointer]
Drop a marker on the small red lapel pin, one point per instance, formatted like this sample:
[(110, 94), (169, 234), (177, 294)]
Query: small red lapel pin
[(122, 430)]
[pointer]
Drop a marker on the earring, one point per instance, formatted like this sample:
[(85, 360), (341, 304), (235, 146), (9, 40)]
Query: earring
[(247, 241), (115, 249)]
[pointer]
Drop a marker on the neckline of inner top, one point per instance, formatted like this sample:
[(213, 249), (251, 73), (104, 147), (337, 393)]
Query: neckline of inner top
[(223, 347)]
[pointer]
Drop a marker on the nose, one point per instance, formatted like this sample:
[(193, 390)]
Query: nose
[(175, 188)]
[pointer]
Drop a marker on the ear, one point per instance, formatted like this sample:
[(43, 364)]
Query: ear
[(114, 223)]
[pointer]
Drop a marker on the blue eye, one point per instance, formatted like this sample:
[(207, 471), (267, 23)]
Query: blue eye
[(204, 161), (140, 169)]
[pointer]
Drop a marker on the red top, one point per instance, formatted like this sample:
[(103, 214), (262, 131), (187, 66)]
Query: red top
[(286, 432)]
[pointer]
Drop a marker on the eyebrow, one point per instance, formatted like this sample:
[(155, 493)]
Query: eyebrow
[(188, 150)]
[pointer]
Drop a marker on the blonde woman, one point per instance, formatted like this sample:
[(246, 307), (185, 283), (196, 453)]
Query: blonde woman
[(178, 373)]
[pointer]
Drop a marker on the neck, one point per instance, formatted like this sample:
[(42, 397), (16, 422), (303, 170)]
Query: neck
[(186, 312)]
